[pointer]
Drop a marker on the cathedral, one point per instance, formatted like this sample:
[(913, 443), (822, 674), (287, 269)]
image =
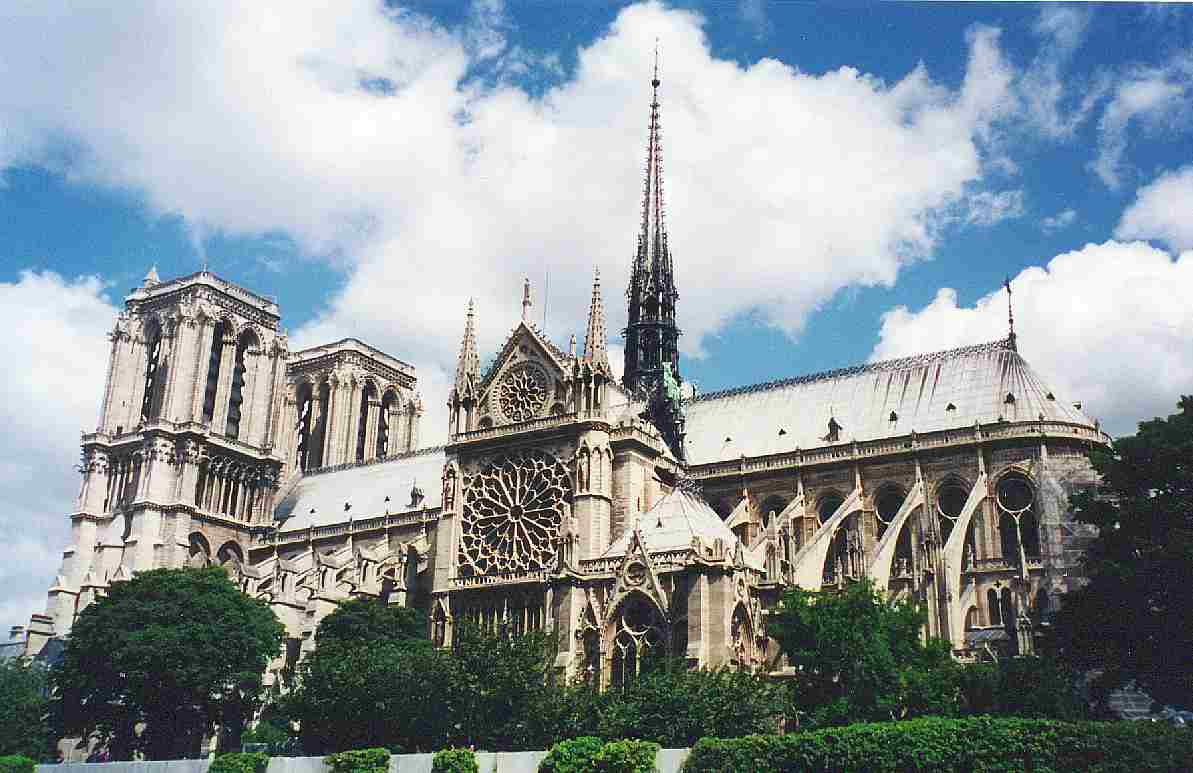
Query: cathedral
[(628, 516)]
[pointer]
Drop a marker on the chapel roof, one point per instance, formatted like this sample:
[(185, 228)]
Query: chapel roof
[(925, 393), (364, 487), (673, 522)]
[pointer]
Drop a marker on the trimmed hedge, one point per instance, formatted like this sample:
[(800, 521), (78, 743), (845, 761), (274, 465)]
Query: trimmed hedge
[(626, 757), (240, 762), (454, 761), (360, 761), (979, 744), (16, 763), (572, 756)]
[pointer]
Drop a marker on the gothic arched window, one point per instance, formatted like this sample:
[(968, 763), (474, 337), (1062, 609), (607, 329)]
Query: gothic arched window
[(638, 639), (236, 393), (305, 403), (886, 506), (151, 403), (213, 370), (367, 396), (388, 406), (993, 608)]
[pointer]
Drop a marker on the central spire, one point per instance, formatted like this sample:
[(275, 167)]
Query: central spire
[(652, 336)]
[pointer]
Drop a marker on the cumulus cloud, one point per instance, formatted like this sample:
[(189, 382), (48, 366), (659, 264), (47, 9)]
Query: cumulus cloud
[(1161, 211), (1156, 98), (1059, 221), (1053, 104), (57, 354), (989, 207), (1107, 325)]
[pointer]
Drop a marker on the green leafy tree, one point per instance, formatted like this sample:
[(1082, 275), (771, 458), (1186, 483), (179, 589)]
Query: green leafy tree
[(1131, 621), (1030, 687), (24, 710), (174, 652), (368, 621), (676, 707), (859, 657)]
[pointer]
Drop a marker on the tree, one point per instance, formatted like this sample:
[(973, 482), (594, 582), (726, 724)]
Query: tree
[(24, 710), (368, 621), (859, 657), (177, 651), (677, 707), (1131, 620)]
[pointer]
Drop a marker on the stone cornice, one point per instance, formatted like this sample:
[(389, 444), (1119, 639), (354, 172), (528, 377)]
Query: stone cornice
[(352, 351)]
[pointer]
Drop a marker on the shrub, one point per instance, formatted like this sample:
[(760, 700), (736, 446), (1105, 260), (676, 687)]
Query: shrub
[(16, 763), (576, 755), (240, 762), (986, 744), (359, 761), (626, 757), (454, 761)]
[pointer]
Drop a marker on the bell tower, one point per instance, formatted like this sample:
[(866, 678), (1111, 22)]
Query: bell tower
[(182, 463)]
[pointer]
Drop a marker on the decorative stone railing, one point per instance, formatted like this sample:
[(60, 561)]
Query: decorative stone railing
[(530, 425), (857, 450), (276, 536), (508, 578)]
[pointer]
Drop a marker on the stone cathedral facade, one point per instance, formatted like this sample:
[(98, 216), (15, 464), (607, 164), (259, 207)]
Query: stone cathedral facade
[(626, 515)]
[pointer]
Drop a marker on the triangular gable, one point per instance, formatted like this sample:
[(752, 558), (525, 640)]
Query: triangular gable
[(745, 512), (637, 575), (524, 332)]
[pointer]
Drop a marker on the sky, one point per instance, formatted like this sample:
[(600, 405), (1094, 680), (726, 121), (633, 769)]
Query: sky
[(844, 182)]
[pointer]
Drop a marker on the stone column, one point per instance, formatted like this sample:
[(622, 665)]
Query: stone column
[(95, 482)]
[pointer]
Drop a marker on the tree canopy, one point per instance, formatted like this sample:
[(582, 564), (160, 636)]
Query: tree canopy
[(24, 710), (1131, 621), (859, 657), (177, 651), (368, 621)]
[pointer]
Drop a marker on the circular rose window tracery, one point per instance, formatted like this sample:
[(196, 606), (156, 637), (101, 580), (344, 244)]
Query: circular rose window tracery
[(512, 510), (522, 392)]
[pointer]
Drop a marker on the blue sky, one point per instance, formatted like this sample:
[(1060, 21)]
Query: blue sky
[(845, 181)]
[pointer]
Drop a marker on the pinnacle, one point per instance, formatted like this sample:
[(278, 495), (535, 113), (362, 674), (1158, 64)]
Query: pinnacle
[(596, 340)]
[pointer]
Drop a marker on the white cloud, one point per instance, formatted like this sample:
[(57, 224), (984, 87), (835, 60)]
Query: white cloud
[(1059, 221), (57, 355), (1055, 103), (1161, 211), (1154, 97), (1108, 325), (988, 207)]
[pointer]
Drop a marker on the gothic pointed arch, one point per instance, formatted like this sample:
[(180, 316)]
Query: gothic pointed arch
[(637, 633)]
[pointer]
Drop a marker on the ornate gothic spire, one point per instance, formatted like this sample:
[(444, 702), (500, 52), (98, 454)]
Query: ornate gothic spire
[(652, 336), (468, 366), (596, 347)]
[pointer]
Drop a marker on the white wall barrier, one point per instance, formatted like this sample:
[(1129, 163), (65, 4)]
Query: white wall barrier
[(667, 761)]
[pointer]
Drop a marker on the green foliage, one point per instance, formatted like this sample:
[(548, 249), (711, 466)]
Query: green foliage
[(1028, 687), (359, 761), (265, 732), (454, 761), (626, 757), (16, 763), (177, 650), (860, 657), (1130, 622), (979, 744), (575, 755), (677, 707), (239, 762), (24, 710), (369, 620)]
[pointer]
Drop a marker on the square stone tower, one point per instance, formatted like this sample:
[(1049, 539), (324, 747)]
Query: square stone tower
[(182, 463)]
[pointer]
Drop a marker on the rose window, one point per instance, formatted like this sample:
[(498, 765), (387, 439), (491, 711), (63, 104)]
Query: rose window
[(512, 510), (522, 393)]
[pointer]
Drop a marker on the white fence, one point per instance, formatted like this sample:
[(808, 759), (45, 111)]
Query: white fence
[(668, 761)]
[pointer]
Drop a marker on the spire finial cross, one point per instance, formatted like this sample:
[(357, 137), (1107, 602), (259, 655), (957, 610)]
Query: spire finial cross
[(655, 80), (526, 302), (1010, 314)]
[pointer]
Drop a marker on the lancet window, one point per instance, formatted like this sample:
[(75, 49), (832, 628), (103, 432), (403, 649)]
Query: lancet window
[(214, 363), (236, 393), (305, 403), (386, 421), (368, 396), (152, 402)]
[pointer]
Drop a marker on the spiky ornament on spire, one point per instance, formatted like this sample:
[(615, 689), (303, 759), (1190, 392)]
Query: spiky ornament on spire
[(652, 336)]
